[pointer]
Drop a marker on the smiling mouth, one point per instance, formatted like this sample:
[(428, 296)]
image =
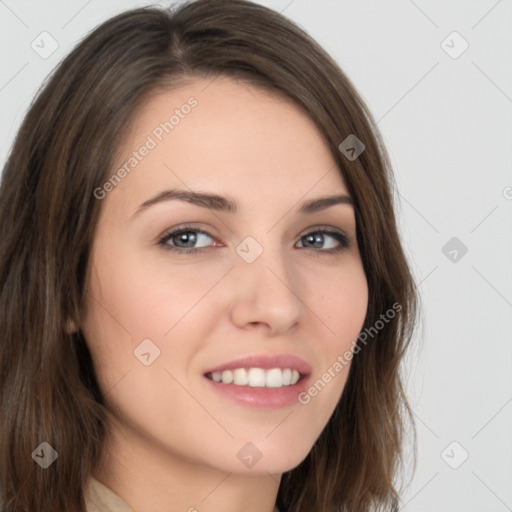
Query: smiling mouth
[(257, 377)]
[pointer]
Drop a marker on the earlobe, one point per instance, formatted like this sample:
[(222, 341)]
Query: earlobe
[(70, 327)]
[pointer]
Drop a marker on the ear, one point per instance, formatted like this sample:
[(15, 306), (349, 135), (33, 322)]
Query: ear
[(70, 327)]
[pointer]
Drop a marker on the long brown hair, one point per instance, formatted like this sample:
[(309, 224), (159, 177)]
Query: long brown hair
[(65, 150)]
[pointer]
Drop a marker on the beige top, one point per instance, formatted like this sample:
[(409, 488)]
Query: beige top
[(100, 498)]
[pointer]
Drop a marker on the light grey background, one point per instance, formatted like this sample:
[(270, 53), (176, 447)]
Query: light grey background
[(447, 125)]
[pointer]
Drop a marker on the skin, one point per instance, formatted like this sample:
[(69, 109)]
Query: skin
[(172, 445)]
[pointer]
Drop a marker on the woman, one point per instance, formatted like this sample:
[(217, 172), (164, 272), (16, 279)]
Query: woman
[(256, 370)]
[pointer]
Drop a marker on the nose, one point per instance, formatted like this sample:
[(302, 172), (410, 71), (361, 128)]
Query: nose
[(264, 294)]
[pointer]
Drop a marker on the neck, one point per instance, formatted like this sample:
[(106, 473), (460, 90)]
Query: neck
[(149, 477)]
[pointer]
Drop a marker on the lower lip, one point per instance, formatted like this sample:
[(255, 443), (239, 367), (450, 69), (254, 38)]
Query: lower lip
[(270, 398)]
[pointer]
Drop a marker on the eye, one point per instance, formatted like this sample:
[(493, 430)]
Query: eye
[(184, 239), (316, 239)]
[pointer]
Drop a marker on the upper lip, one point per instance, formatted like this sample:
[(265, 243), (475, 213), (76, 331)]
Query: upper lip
[(265, 362)]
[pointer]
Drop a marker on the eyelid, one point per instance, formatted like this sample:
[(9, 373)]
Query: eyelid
[(184, 228)]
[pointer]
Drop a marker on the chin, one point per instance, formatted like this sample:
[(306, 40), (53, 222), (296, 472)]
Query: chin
[(265, 457)]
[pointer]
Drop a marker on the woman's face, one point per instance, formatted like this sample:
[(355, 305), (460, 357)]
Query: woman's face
[(268, 286)]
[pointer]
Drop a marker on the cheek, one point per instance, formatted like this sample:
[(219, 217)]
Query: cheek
[(342, 307), (131, 298), (143, 297)]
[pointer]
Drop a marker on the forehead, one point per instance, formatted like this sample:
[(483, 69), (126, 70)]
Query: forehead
[(229, 137)]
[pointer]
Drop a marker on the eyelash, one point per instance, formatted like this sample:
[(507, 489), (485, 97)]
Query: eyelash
[(339, 236)]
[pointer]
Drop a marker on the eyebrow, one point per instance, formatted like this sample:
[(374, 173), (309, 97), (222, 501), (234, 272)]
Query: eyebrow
[(224, 204)]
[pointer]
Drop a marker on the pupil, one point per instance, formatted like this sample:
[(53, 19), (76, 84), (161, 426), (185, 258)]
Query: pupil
[(316, 239), (187, 237)]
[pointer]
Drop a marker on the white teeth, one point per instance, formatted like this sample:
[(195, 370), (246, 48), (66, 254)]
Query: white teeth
[(241, 377), (257, 377), (274, 378), (227, 377)]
